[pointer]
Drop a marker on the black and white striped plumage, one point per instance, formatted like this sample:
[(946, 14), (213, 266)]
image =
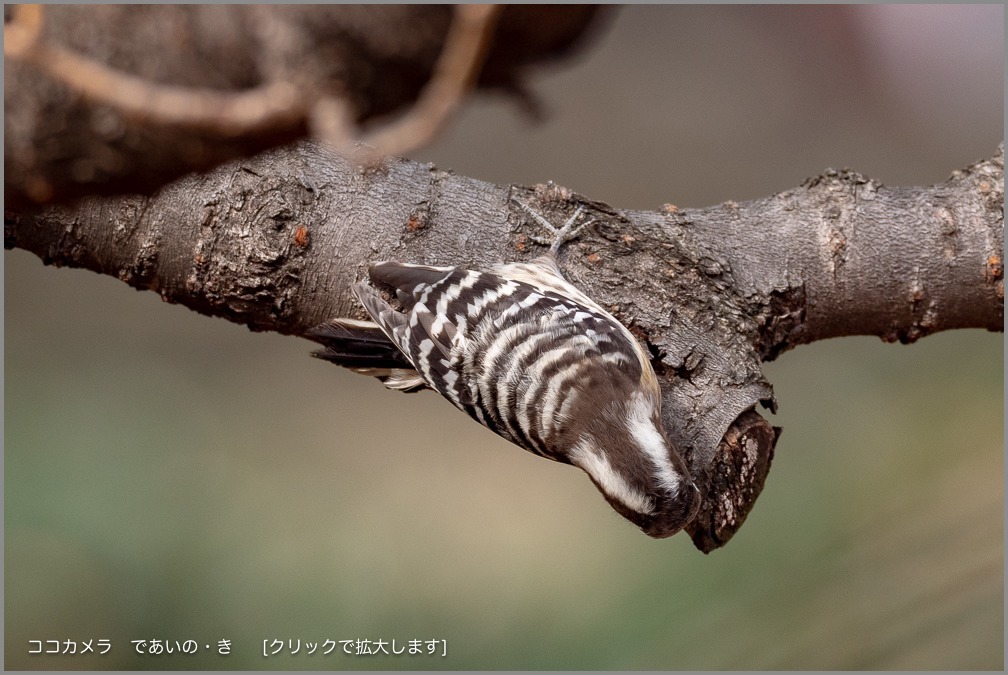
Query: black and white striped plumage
[(528, 355)]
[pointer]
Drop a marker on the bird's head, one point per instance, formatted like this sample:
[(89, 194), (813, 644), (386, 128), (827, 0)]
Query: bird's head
[(625, 451)]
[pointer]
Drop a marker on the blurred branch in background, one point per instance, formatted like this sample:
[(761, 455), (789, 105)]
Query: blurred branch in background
[(202, 98), (271, 107), (455, 72)]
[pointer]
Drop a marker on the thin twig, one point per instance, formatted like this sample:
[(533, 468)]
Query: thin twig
[(454, 74), (271, 106), (22, 33)]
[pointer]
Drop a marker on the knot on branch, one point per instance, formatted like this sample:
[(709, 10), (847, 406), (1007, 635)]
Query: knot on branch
[(734, 479), (708, 406)]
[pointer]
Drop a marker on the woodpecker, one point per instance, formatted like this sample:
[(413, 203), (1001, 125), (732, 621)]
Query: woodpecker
[(535, 360)]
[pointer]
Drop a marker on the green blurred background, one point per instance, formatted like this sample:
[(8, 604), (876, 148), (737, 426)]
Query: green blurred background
[(173, 476)]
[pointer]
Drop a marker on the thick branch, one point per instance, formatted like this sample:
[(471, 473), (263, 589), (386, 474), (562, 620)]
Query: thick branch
[(846, 255), (275, 242)]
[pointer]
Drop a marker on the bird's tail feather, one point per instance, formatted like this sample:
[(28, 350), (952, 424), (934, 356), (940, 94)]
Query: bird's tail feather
[(363, 347)]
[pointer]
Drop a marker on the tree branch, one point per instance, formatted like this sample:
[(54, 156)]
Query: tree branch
[(272, 106), (454, 74), (167, 90), (276, 240)]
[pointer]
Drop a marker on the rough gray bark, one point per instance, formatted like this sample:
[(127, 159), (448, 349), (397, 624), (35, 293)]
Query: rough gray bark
[(276, 240)]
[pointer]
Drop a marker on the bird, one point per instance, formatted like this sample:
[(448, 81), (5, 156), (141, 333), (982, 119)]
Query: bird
[(532, 358)]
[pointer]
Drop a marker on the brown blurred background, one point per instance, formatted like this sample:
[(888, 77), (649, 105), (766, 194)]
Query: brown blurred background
[(173, 476)]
